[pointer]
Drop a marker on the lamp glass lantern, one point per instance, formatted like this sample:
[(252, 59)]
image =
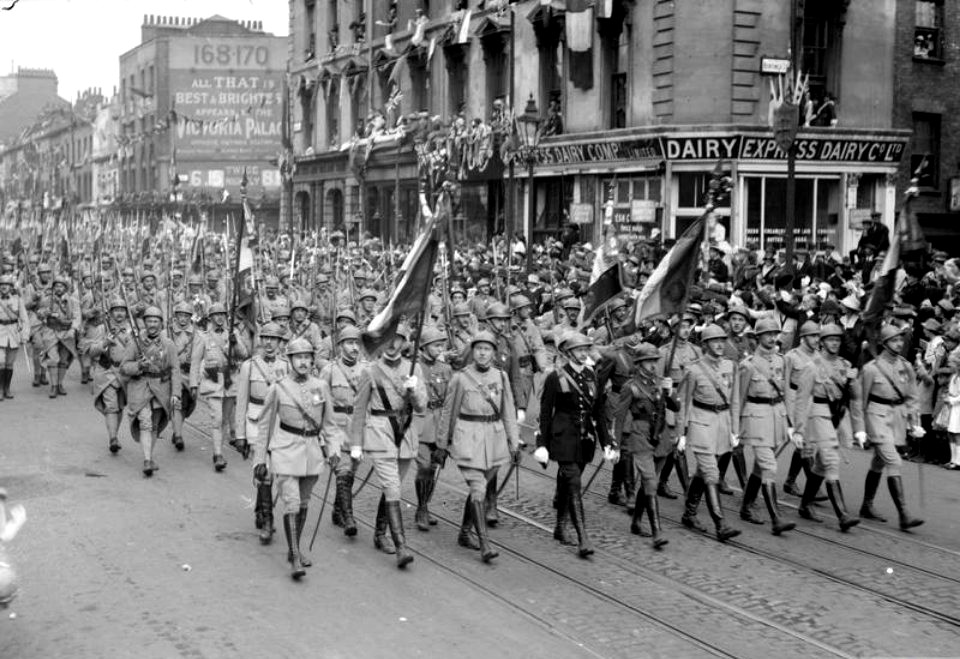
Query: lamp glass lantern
[(530, 123)]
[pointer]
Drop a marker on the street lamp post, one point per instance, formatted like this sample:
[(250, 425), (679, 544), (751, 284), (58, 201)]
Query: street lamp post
[(530, 134)]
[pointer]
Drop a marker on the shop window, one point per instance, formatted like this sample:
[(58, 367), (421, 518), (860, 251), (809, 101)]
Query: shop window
[(927, 33), (817, 211), (693, 188), (925, 149)]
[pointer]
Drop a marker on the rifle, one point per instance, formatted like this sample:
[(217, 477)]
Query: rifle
[(234, 288), (133, 322)]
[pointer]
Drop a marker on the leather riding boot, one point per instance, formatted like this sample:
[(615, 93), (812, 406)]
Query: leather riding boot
[(265, 505), (428, 495), (615, 496), (629, 482), (336, 515), (810, 490), (487, 552), (870, 486), (652, 505), (490, 503), (722, 463), (421, 517), (739, 460), (561, 531), (7, 379), (301, 522), (835, 493), (750, 492), (694, 493), (663, 487), (776, 521), (380, 538), (639, 506), (895, 483), (724, 532), (575, 503), (808, 473), (293, 545), (395, 519), (345, 494), (796, 464), (466, 536)]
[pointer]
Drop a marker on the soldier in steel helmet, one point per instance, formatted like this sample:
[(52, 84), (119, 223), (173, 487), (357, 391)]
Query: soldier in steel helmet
[(297, 433), (795, 362), (572, 420), (889, 386), (153, 377), (214, 368), (436, 377), (35, 293), (827, 396), (60, 314), (342, 376), (478, 429), (760, 405), (109, 384), (462, 329), (684, 353), (14, 330), (343, 318), (708, 428), (388, 394), (182, 333), (638, 423), (301, 327)]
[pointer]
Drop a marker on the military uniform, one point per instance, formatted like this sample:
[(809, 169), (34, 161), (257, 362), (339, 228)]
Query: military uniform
[(297, 413), (616, 367), (437, 376), (34, 294), (183, 338), (478, 427), (107, 349), (92, 312), (684, 354), (794, 364), (60, 314), (14, 328)]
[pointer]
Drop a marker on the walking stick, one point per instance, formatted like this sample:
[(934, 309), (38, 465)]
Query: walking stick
[(323, 504), (594, 477)]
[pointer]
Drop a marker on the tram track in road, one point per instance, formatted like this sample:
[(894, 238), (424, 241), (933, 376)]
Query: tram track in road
[(822, 572)]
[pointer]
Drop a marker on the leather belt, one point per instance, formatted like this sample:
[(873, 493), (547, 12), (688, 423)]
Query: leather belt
[(9, 322), (303, 432), (255, 400), (525, 361), (483, 418), (343, 409), (821, 400), (164, 375), (763, 400), (389, 413), (723, 407), (892, 402), (794, 386), (434, 404)]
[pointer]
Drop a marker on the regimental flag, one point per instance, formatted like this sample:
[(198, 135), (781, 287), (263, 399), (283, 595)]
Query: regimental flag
[(409, 297), (606, 287), (885, 285), (196, 253), (667, 289)]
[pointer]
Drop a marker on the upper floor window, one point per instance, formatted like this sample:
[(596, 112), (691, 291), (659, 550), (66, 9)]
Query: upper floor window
[(927, 33), (823, 22), (925, 149)]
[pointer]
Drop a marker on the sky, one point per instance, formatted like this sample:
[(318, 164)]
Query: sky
[(82, 40)]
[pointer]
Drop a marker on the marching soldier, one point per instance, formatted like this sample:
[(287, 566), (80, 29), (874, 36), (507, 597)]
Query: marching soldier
[(182, 333), (92, 311), (148, 296), (642, 398), (684, 354), (36, 292), (763, 422), (741, 342), (109, 384), (153, 384), (199, 301), (461, 336), (297, 410), (387, 396), (301, 327), (14, 329), (272, 300), (257, 375), (527, 345), (60, 314), (342, 376), (213, 378), (482, 299), (572, 421), (795, 362), (478, 428), (706, 422), (367, 303), (436, 378), (828, 387), (889, 398), (616, 366), (344, 318)]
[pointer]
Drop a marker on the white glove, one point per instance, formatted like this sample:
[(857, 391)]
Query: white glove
[(790, 432), (666, 383), (410, 383), (917, 432), (521, 416), (860, 438), (18, 515), (797, 439), (734, 440), (610, 454), (356, 453), (681, 443), (542, 455)]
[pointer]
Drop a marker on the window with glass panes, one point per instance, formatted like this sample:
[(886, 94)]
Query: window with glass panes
[(925, 149), (927, 33)]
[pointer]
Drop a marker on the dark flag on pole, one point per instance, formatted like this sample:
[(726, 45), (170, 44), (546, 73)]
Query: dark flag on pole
[(607, 286), (410, 295), (667, 289), (196, 254)]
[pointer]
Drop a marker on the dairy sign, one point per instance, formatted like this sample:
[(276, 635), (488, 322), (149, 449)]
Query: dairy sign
[(228, 97), (808, 148)]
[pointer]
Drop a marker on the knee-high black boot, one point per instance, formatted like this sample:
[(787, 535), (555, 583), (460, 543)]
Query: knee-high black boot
[(487, 552), (722, 463), (293, 545), (796, 464), (301, 521), (638, 507), (345, 494), (740, 465), (466, 536), (653, 513), (694, 494), (810, 489), (380, 538), (422, 516), (750, 493), (575, 501), (724, 532), (629, 481), (773, 507), (395, 519), (490, 503), (616, 484), (663, 488), (870, 486), (835, 493), (265, 508), (895, 483), (561, 531)]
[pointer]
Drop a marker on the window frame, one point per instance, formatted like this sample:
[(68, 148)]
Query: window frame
[(931, 183)]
